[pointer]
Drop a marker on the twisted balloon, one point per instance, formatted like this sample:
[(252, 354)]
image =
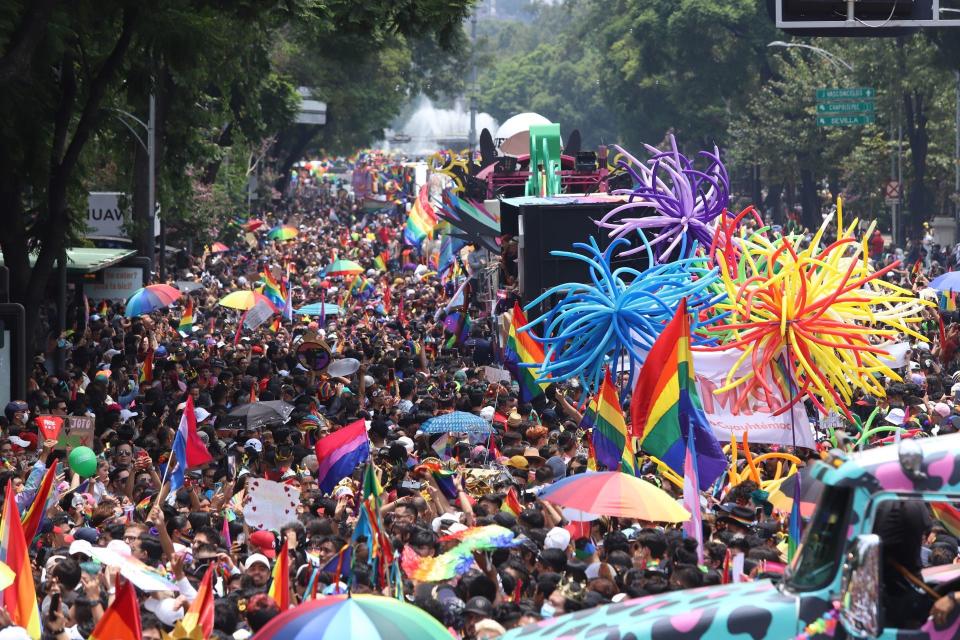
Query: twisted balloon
[(812, 318), (686, 199), (621, 313)]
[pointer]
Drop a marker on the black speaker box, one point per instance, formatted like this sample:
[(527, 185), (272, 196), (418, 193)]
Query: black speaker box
[(545, 225)]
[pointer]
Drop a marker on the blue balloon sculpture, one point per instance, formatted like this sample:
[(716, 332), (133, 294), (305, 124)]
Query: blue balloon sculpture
[(621, 314)]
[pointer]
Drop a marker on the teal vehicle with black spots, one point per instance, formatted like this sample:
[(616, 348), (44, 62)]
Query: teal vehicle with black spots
[(838, 585)]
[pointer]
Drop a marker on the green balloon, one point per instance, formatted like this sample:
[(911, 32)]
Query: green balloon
[(83, 461)]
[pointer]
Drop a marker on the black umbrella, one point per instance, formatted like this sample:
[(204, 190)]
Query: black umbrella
[(254, 415)]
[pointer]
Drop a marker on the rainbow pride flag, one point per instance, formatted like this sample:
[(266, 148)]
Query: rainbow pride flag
[(421, 220), (948, 515), (185, 328), (522, 355), (272, 289), (146, 371), (665, 405), (20, 598), (611, 441), (280, 578), (511, 504)]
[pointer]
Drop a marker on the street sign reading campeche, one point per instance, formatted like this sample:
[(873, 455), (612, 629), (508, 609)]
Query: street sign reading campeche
[(845, 121), (848, 93), (846, 107)]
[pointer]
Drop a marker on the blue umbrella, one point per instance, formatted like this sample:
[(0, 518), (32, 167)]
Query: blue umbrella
[(950, 281), (318, 309), (457, 422)]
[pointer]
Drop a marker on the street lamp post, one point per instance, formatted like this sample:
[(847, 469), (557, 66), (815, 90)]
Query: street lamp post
[(832, 58), (150, 146)]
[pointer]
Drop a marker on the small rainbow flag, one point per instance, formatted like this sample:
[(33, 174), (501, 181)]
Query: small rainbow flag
[(185, 328), (511, 504), (146, 371), (611, 440), (421, 220), (121, 620), (522, 354), (948, 515), (280, 582), (272, 289), (20, 598)]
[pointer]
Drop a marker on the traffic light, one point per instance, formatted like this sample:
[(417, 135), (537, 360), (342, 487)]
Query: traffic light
[(859, 17)]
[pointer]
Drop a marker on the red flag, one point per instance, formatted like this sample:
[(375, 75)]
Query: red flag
[(121, 620), (34, 516)]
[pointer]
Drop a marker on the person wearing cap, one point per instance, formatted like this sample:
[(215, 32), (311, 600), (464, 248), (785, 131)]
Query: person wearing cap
[(256, 570), (477, 608)]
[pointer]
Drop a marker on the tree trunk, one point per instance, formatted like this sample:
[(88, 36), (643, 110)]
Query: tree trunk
[(809, 201), (15, 62), (773, 203), (299, 138), (919, 197)]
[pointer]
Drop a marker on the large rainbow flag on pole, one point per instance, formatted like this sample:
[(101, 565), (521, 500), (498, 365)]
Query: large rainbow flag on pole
[(665, 404), (612, 441), (522, 354), (272, 289), (421, 220), (20, 598)]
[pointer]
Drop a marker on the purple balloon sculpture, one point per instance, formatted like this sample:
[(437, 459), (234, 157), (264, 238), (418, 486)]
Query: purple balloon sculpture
[(687, 200)]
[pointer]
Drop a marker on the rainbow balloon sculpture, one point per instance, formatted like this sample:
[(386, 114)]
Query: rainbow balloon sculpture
[(815, 318), (816, 314)]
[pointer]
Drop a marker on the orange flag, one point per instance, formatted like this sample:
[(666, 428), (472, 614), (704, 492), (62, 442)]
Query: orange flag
[(121, 621), (200, 613), (20, 598), (280, 585)]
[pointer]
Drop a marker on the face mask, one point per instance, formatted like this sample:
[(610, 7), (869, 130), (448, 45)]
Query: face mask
[(547, 610)]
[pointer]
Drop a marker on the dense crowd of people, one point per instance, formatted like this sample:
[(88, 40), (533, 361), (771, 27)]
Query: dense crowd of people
[(410, 370)]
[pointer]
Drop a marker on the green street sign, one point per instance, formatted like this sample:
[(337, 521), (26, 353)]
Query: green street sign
[(846, 107), (845, 121), (849, 93)]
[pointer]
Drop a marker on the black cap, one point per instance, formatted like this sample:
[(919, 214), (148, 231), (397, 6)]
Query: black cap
[(480, 606)]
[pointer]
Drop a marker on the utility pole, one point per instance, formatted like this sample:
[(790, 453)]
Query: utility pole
[(152, 180), (956, 152), (472, 135)]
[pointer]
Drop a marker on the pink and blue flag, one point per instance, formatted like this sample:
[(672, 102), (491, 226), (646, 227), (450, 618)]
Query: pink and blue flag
[(188, 447), (340, 453), (693, 527)]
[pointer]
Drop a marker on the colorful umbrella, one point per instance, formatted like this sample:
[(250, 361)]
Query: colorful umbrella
[(457, 422), (245, 300), (253, 225), (318, 309), (354, 616), (949, 281), (282, 232), (219, 247), (151, 298), (342, 268), (613, 493)]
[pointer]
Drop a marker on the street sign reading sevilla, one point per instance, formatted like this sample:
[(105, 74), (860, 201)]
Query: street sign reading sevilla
[(845, 121)]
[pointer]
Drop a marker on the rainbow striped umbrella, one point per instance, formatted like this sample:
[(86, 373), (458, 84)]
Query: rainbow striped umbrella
[(342, 268), (151, 298), (245, 300), (613, 493), (219, 247), (354, 616), (282, 232)]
